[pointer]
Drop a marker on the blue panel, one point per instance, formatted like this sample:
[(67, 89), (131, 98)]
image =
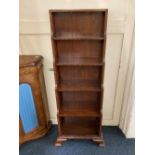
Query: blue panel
[(27, 108)]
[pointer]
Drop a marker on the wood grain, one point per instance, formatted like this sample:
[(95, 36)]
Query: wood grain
[(30, 71)]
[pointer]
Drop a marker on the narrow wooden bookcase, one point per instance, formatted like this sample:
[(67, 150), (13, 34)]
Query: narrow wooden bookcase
[(79, 41)]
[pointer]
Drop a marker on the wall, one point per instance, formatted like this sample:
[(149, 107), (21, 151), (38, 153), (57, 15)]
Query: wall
[(35, 39), (127, 117)]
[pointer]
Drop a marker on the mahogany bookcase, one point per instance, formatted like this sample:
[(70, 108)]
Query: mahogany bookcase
[(78, 42)]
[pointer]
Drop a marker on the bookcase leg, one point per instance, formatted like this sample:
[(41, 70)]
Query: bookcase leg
[(99, 141), (59, 141)]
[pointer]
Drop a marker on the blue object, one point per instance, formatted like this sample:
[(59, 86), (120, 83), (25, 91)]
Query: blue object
[(27, 109)]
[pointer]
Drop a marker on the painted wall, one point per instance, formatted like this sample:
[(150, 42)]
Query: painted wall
[(35, 39), (127, 117)]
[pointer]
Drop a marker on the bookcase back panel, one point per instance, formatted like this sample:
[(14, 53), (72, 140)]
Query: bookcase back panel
[(78, 24), (80, 96), (85, 76), (80, 99), (76, 51)]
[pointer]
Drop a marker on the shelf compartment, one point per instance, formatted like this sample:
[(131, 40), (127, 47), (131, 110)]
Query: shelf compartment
[(79, 109), (66, 24), (79, 78), (80, 104), (73, 126), (79, 52)]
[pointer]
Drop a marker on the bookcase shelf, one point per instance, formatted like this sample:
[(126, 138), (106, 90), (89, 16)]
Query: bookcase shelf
[(78, 87), (78, 38), (78, 42), (82, 62), (79, 64)]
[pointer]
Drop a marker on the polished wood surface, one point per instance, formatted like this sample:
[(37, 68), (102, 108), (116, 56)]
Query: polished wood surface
[(78, 42), (29, 60), (31, 72)]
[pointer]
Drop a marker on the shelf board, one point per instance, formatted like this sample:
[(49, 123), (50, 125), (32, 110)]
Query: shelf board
[(78, 88), (83, 61), (78, 111), (77, 10), (79, 64), (78, 38)]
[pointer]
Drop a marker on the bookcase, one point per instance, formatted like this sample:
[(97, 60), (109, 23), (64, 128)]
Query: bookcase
[(78, 41)]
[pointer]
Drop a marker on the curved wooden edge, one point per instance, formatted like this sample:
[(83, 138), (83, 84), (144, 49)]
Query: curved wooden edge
[(37, 135)]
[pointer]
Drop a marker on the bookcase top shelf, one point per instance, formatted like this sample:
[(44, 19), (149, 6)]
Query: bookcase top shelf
[(77, 88), (77, 10)]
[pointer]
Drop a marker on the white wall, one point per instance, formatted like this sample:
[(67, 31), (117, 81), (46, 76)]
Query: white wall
[(127, 117), (35, 39)]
